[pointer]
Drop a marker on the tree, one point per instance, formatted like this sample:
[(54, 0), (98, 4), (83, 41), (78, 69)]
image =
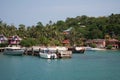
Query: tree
[(95, 33), (22, 31), (52, 33), (28, 42), (39, 25)]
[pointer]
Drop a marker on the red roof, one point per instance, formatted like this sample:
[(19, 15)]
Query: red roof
[(14, 38), (66, 42), (113, 40)]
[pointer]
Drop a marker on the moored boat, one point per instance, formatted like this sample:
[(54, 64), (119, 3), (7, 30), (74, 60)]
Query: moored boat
[(13, 50), (77, 49), (56, 52), (46, 53), (94, 49), (64, 54)]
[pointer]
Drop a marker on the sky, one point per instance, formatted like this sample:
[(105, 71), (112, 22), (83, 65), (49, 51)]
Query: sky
[(30, 12)]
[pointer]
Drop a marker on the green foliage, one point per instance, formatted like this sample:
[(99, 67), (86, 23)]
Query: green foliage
[(52, 33), (3, 44), (28, 42), (119, 37), (93, 45), (44, 40), (109, 47)]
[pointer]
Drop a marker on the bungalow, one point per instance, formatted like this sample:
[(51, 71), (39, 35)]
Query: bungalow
[(3, 39), (14, 40), (100, 43), (113, 42)]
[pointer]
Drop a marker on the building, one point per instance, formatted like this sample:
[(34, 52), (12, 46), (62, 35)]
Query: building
[(3, 39), (99, 43), (113, 42), (14, 40), (102, 43)]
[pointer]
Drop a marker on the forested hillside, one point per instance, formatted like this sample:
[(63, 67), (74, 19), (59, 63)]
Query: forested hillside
[(83, 28)]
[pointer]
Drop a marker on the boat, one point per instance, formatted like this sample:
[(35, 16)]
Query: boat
[(55, 53), (98, 49), (13, 50), (88, 48), (94, 49), (76, 49), (46, 53), (64, 54)]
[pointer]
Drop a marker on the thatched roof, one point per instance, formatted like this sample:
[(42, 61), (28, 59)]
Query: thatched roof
[(15, 38), (2, 37)]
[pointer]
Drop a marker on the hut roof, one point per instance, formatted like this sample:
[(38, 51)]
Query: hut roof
[(15, 38), (113, 40), (95, 40), (2, 37)]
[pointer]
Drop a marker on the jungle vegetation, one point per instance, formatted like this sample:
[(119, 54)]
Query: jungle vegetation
[(83, 28)]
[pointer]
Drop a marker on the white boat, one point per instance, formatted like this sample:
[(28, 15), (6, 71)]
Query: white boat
[(88, 48), (13, 51), (98, 49), (80, 50), (55, 52), (47, 54), (93, 49)]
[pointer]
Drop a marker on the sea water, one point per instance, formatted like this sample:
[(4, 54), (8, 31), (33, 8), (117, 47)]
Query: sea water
[(93, 65)]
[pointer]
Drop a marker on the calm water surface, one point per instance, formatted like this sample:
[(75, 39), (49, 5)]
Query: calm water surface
[(93, 65)]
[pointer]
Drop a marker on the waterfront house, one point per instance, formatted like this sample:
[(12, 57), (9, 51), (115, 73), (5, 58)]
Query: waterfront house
[(113, 42), (14, 40), (100, 43), (3, 39)]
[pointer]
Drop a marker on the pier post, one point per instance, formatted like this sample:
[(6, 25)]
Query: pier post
[(32, 52), (26, 51), (39, 49)]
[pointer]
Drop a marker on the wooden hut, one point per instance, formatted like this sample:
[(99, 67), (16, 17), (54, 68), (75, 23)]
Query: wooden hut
[(3, 39), (14, 40), (113, 42)]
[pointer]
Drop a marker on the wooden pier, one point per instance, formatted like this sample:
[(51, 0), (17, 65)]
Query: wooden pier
[(35, 52), (32, 51)]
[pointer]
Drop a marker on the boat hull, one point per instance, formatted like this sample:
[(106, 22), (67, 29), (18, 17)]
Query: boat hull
[(74, 50), (14, 52), (48, 56), (78, 51), (94, 49)]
